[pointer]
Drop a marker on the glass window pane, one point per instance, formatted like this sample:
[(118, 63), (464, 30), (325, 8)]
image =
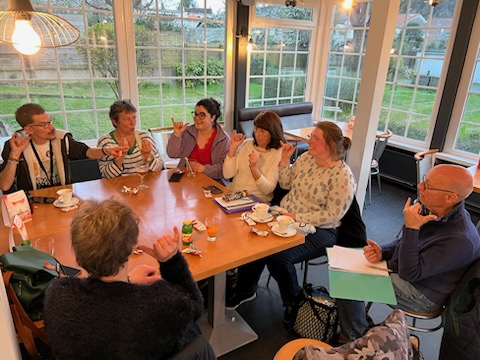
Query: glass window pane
[(346, 44), (283, 12), (416, 64)]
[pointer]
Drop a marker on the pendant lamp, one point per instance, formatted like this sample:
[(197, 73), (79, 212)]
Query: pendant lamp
[(29, 30)]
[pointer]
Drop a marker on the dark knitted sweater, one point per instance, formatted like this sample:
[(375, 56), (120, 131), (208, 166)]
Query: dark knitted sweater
[(91, 319)]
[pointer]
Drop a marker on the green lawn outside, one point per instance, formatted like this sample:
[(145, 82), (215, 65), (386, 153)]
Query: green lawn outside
[(81, 97)]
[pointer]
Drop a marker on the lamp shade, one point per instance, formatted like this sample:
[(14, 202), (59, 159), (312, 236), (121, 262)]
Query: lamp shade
[(26, 29)]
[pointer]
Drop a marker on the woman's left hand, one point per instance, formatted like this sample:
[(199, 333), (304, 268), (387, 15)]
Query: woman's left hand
[(146, 149), (253, 158)]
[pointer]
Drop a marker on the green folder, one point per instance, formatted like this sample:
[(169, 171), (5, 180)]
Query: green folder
[(355, 286)]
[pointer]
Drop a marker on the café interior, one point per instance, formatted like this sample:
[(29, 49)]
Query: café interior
[(408, 66)]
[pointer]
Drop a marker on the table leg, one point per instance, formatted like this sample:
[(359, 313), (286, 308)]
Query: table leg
[(225, 330)]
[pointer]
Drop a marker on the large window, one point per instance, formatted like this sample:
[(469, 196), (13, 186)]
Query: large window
[(180, 58), (179, 48), (416, 65), (348, 36), (466, 131), (279, 59), (69, 82)]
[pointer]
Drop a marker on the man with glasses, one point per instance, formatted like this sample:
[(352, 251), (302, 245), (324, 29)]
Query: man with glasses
[(438, 244), (38, 156)]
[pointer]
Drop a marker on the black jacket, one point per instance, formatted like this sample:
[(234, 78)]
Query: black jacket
[(461, 335)]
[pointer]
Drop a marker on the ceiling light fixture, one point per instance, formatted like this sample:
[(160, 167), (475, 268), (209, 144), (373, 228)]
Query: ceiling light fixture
[(291, 3), (433, 2), (29, 30), (347, 4)]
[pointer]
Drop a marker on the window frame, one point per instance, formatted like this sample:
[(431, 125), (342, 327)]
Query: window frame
[(458, 110)]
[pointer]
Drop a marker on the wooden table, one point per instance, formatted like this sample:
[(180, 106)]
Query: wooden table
[(160, 207), (476, 177)]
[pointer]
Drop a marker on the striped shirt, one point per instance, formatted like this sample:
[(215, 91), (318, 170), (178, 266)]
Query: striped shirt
[(132, 159)]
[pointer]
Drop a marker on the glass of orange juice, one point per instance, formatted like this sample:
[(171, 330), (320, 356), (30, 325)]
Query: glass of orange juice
[(212, 223)]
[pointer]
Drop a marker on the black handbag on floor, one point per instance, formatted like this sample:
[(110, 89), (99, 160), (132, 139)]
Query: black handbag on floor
[(315, 314)]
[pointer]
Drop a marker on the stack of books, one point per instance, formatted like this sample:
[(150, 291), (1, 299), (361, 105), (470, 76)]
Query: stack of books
[(239, 205)]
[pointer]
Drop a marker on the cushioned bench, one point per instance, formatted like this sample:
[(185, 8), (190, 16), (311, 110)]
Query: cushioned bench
[(293, 116)]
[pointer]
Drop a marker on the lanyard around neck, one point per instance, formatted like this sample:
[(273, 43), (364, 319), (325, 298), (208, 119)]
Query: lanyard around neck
[(41, 163)]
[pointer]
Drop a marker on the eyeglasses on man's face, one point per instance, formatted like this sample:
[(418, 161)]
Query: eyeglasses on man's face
[(200, 115), (44, 124), (426, 186)]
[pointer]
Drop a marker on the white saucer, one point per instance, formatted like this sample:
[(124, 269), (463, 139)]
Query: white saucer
[(290, 232), (58, 204), (262, 221)]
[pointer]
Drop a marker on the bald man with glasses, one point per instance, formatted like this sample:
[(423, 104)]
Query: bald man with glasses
[(438, 244), (38, 155)]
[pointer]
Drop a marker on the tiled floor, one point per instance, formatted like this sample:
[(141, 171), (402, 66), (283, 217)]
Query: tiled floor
[(384, 219)]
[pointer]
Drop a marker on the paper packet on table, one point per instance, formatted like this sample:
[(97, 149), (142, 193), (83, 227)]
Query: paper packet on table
[(192, 251), (15, 204)]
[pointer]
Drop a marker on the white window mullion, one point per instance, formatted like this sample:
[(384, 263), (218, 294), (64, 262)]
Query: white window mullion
[(125, 43)]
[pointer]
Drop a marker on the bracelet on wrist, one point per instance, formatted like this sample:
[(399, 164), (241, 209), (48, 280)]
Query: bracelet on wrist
[(13, 161)]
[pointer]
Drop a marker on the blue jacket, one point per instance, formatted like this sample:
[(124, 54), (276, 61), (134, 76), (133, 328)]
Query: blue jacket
[(435, 257)]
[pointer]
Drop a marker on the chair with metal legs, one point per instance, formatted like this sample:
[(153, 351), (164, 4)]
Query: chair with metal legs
[(380, 145)]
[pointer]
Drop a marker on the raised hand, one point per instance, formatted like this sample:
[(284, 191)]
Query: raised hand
[(413, 217), (18, 143), (178, 127), (236, 139), (287, 152), (372, 252), (253, 158), (146, 149), (165, 247)]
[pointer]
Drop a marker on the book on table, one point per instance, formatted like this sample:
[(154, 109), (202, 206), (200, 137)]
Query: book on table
[(238, 205)]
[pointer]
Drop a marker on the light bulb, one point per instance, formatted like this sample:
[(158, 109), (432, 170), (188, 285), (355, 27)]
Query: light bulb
[(250, 46), (347, 4), (25, 40)]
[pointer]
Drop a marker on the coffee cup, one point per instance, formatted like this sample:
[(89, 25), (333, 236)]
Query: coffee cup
[(285, 223), (261, 210), (65, 196)]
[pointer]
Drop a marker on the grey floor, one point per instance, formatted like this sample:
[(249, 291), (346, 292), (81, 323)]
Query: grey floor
[(265, 314)]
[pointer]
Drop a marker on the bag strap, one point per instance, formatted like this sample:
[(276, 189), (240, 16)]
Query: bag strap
[(26, 328)]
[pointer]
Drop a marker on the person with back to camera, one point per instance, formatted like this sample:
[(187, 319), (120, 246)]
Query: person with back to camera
[(204, 141), (438, 244), (322, 188), (39, 156), (114, 314), (253, 163), (138, 146)]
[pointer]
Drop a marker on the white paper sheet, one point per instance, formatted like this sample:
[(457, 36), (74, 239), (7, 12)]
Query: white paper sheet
[(347, 259)]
